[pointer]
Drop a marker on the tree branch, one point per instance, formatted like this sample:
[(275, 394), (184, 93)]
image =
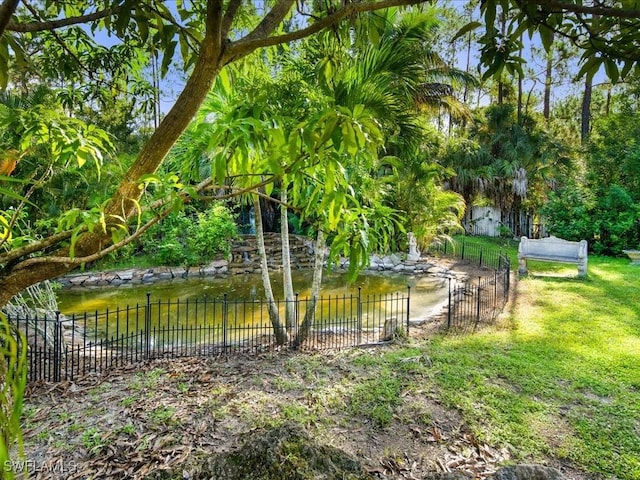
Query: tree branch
[(558, 5), (99, 254), (270, 21), (214, 25), (42, 25), (253, 41), (229, 16), (51, 241), (7, 9)]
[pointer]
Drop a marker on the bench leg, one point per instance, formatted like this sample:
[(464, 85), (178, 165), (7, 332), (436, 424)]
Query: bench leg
[(522, 266), (582, 269)]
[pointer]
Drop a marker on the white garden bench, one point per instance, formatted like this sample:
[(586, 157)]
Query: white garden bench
[(552, 249)]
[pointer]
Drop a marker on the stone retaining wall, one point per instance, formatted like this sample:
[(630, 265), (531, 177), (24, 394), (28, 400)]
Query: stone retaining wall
[(244, 259)]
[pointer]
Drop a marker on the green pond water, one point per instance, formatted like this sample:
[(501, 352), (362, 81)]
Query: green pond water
[(195, 303)]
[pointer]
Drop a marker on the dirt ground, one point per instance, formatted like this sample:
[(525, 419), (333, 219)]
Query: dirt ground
[(158, 416)]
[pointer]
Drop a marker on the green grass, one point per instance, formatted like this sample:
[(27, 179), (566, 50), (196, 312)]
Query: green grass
[(563, 376), (559, 376)]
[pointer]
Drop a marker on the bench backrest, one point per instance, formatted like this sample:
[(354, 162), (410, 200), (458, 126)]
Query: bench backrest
[(553, 246)]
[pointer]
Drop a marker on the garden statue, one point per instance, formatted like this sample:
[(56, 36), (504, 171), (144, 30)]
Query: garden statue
[(414, 253)]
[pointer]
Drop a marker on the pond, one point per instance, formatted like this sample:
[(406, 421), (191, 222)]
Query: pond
[(197, 305), (426, 292)]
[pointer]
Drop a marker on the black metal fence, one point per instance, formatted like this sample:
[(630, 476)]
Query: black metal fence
[(476, 302), (472, 254), (63, 348), (479, 302)]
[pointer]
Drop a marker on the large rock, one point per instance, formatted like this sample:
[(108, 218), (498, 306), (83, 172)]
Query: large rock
[(527, 472), (285, 452)]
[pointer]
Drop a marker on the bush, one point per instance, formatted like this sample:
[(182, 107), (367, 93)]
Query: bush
[(212, 234), (618, 222), (189, 238), (609, 220)]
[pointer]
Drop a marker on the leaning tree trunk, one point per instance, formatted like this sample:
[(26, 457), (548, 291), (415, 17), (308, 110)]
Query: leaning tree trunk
[(546, 108), (289, 298), (586, 110), (274, 315), (309, 316)]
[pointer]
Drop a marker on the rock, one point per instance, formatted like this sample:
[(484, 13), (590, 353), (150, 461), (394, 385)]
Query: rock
[(448, 476), (392, 329), (126, 275), (78, 281), (527, 472), (178, 272), (218, 264), (395, 259), (285, 452), (193, 272), (208, 271), (148, 277), (93, 280)]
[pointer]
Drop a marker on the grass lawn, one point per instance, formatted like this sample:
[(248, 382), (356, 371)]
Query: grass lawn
[(562, 375)]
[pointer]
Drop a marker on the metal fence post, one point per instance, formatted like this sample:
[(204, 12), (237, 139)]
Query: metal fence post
[(296, 306), (449, 308), (57, 348), (478, 303), (359, 314), (224, 321), (408, 307), (147, 327)]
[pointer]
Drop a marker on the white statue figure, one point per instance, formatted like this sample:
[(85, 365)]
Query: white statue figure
[(414, 253)]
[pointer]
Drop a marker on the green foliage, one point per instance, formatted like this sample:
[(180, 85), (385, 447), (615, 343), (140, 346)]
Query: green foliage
[(613, 152), (606, 40), (190, 238), (13, 380), (213, 232), (609, 219), (51, 185), (509, 159), (567, 213)]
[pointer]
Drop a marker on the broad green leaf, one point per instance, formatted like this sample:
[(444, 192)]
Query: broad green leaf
[(590, 67), (546, 36), (466, 29)]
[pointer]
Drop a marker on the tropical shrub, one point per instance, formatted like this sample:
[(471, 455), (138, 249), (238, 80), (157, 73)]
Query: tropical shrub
[(13, 380), (212, 234), (192, 238), (609, 220)]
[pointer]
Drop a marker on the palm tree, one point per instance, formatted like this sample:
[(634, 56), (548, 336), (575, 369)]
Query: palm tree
[(510, 163)]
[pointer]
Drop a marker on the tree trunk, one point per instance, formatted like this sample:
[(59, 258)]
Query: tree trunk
[(546, 109), (289, 297), (274, 315), (586, 109), (520, 95), (310, 314)]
